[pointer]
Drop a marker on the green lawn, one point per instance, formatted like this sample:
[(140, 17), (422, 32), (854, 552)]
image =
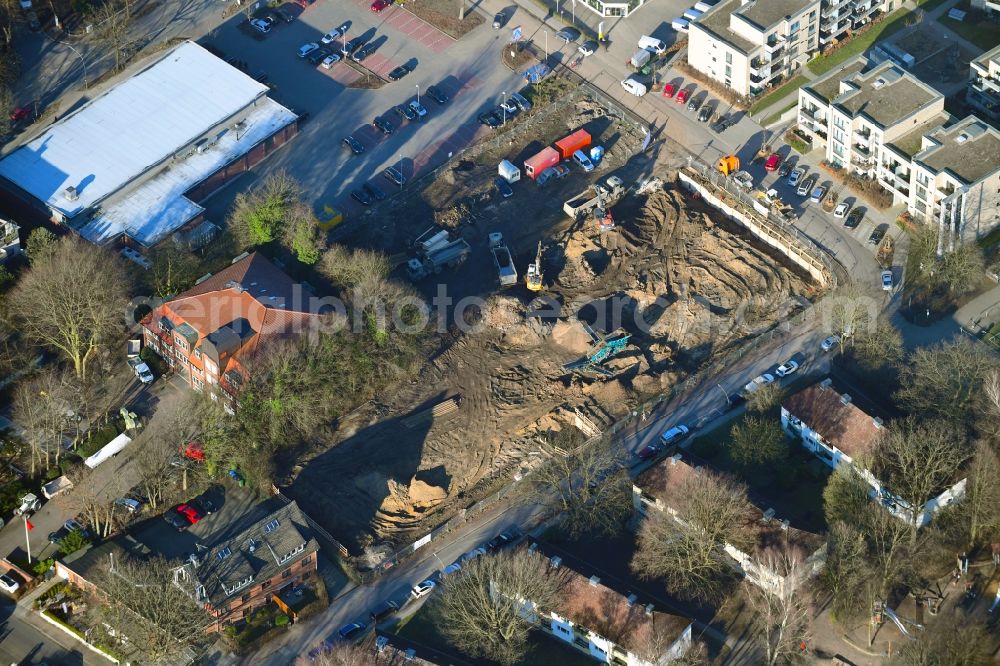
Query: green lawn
[(929, 5), (857, 45), (984, 34), (776, 96), (776, 116)]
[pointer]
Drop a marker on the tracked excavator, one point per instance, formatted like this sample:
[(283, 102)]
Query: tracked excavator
[(533, 278)]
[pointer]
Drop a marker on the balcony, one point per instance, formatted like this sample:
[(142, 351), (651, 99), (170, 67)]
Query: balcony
[(863, 138), (986, 86), (864, 151), (757, 78), (774, 45)]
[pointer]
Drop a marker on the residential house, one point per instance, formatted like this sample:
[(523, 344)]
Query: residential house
[(658, 488), (749, 45), (983, 93), (880, 122), (84, 568), (838, 432), (600, 618), (207, 333), (10, 240), (990, 7), (242, 573), (840, 17)]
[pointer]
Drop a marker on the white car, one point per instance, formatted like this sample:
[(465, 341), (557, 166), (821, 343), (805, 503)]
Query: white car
[(581, 159), (794, 177), (8, 584), (841, 210), (141, 370), (422, 589), (331, 36), (887, 280), (330, 61), (786, 368), (758, 381), (261, 25), (829, 343), (418, 108), (306, 49)]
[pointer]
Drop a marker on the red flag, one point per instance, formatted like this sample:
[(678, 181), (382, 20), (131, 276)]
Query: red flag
[(28, 523)]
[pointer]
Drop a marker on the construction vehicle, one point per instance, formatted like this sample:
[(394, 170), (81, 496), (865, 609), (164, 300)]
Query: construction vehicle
[(450, 254), (728, 165), (506, 270), (604, 347), (533, 279), (604, 195)]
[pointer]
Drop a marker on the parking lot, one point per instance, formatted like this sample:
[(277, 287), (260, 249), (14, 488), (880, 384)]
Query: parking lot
[(469, 72)]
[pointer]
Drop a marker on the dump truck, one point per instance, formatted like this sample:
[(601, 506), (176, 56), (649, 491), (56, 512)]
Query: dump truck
[(450, 255), (600, 194), (431, 240), (728, 165), (506, 270)]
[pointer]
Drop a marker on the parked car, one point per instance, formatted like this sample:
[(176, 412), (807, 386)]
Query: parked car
[(498, 20), (682, 96), (757, 382), (399, 72), (129, 504), (19, 113), (693, 104), (705, 115), (503, 187), (583, 161), (353, 45), (787, 368), (503, 540), (521, 101), (668, 90), (405, 112), (306, 49), (674, 435), (284, 16), (772, 163), (887, 280), (8, 584), (176, 520), (203, 504), (878, 233), (724, 123), (437, 95), (785, 169), (382, 125), (422, 589), (818, 194), (354, 145), (588, 48), (490, 119), (395, 175), (379, 5), (473, 554), (352, 630), (736, 399), (805, 187), (260, 25), (568, 35), (318, 56), (454, 567), (418, 108), (373, 191), (841, 210), (649, 452), (330, 37), (361, 197), (73, 524), (363, 53), (829, 343), (794, 177), (509, 108), (330, 61), (192, 514), (383, 610), (854, 218)]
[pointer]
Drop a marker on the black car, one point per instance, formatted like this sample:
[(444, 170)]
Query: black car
[(405, 111), (57, 536), (503, 540), (705, 114), (355, 146), (568, 35), (318, 55), (284, 16), (382, 125), (362, 53), (437, 95), (736, 399), (503, 187), (383, 610), (373, 191), (353, 45), (352, 630), (786, 168), (399, 72), (490, 119), (176, 520), (854, 218), (361, 197), (203, 504), (878, 234), (693, 104), (724, 123), (395, 175)]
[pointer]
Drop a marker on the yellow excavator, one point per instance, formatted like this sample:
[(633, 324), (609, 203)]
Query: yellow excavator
[(533, 278)]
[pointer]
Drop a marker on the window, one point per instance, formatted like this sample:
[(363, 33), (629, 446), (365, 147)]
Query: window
[(729, 58), (306, 560), (286, 573), (729, 71), (271, 526), (197, 352), (795, 27), (223, 554), (812, 30), (266, 584), (245, 598)]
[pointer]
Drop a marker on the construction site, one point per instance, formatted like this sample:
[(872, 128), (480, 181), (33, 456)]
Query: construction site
[(611, 286)]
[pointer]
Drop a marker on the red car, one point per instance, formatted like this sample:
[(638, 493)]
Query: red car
[(772, 162), (189, 512), (682, 96), (668, 90), (379, 5), (19, 113)]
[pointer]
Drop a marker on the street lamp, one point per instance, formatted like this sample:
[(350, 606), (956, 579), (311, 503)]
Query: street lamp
[(82, 62), (574, 12), (418, 94), (546, 46), (400, 172), (504, 107)]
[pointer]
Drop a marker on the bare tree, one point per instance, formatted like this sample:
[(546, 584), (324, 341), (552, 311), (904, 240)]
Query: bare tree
[(960, 270), (917, 461), (96, 506), (879, 347), (174, 269), (945, 380), (343, 654), (114, 23), (850, 310), (72, 300), (141, 599), (781, 616), (686, 550), (950, 639), (589, 487), (982, 496), (485, 610), (845, 573), (44, 407), (175, 423)]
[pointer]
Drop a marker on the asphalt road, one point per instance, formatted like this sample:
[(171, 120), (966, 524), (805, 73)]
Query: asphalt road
[(21, 642)]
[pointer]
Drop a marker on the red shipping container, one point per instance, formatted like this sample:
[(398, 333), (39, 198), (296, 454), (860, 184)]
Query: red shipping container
[(578, 140), (536, 164)]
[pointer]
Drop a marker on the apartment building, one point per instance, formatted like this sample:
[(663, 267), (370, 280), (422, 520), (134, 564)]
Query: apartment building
[(839, 18), (748, 45), (983, 94)]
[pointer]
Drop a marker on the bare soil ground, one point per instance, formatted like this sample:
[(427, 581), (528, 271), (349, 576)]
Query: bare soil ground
[(683, 284), (443, 14)]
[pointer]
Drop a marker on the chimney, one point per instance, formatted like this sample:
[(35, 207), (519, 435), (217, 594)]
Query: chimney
[(784, 525), (594, 581), (674, 459), (878, 422), (649, 609), (555, 561), (631, 599), (71, 193), (825, 384), (768, 515), (845, 399)]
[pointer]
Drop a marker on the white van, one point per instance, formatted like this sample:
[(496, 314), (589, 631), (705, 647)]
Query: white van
[(680, 24), (692, 14), (653, 44), (702, 7), (583, 161), (633, 87)]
